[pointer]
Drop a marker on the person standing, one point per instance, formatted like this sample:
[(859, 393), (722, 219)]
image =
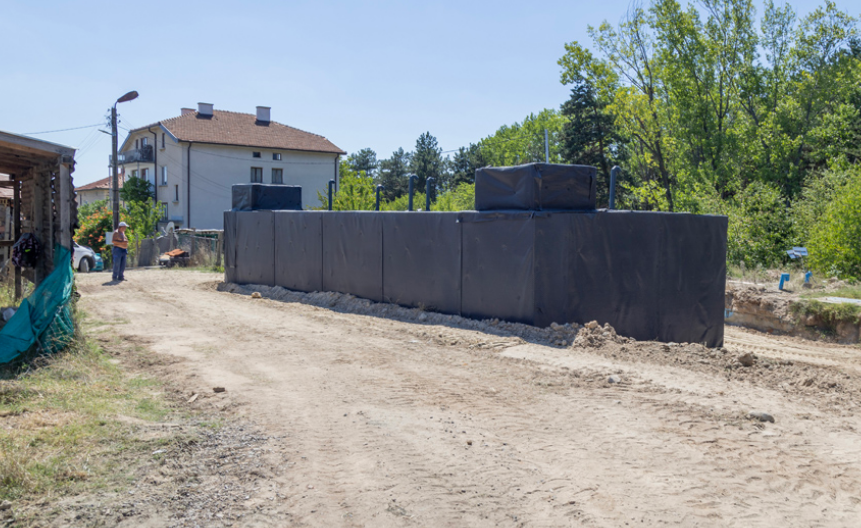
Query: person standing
[(120, 251)]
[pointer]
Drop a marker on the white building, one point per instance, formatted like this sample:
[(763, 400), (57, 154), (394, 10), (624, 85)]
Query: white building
[(193, 161), (98, 190)]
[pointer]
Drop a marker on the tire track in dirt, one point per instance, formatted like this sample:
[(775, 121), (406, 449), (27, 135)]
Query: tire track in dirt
[(553, 444)]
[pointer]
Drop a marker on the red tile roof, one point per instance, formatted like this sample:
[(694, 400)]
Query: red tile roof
[(100, 184), (234, 128)]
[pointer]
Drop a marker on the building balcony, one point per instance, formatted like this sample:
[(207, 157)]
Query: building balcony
[(141, 155)]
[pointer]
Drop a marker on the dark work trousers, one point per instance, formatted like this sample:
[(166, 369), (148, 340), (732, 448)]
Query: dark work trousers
[(119, 257)]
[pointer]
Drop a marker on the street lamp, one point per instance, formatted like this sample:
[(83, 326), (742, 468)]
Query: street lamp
[(115, 199)]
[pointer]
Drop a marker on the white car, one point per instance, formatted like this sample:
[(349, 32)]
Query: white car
[(85, 259)]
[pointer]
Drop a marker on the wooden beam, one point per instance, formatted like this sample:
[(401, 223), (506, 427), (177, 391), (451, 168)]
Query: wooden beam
[(30, 145), (64, 206), (17, 213)]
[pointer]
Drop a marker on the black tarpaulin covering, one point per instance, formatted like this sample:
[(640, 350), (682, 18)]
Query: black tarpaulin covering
[(261, 196), (230, 221), (650, 275), (693, 279), (421, 260), (353, 253), (299, 250), (535, 187), (498, 272), (255, 248), (614, 262)]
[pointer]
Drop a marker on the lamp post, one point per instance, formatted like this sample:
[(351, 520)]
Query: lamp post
[(115, 188)]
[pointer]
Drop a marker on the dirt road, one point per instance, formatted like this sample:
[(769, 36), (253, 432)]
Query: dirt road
[(375, 421)]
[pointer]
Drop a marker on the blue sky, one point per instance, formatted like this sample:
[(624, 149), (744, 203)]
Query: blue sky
[(364, 74)]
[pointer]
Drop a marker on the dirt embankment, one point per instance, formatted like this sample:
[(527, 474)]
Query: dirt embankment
[(770, 310)]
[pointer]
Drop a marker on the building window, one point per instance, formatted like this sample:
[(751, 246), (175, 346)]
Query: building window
[(256, 174), (144, 174), (276, 156), (144, 142), (134, 174), (164, 211), (162, 140), (176, 193), (164, 175), (255, 154), (277, 175), (136, 144)]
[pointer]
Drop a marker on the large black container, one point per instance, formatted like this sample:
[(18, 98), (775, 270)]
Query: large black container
[(650, 275)]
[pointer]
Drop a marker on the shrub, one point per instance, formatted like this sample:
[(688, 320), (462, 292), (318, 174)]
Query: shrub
[(835, 238), (461, 198), (760, 227), (93, 228), (355, 193)]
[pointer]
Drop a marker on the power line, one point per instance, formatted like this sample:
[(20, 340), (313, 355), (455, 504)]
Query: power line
[(61, 130)]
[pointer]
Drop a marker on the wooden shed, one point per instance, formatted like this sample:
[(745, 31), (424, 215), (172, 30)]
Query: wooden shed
[(39, 173)]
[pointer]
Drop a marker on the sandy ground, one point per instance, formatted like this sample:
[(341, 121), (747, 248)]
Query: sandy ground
[(362, 420)]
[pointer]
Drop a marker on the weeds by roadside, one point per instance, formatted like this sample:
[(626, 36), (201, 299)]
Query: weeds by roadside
[(849, 292), (828, 315), (65, 423)]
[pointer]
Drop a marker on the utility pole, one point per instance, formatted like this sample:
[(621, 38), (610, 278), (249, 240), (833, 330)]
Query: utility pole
[(546, 148), (115, 184), (115, 194)]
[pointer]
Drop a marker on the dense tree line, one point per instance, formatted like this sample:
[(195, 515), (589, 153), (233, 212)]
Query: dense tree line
[(707, 108)]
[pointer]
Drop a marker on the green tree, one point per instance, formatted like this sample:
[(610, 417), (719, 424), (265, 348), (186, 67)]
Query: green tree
[(463, 164), (143, 217), (523, 142), (834, 242), (393, 174), (364, 161), (427, 162), (760, 227), (136, 190), (87, 209), (589, 136), (460, 198), (355, 193)]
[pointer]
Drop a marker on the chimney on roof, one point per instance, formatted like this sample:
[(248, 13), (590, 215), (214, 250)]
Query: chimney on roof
[(204, 109), (263, 114), (186, 111)]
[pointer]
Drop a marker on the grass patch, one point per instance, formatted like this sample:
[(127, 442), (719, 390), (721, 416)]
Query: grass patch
[(849, 292), (72, 423), (7, 292), (829, 315)]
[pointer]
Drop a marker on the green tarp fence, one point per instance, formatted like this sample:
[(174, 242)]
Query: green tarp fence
[(45, 317)]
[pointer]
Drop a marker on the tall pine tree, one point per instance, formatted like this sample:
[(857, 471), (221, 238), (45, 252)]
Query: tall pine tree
[(364, 161), (427, 161), (393, 174), (589, 136)]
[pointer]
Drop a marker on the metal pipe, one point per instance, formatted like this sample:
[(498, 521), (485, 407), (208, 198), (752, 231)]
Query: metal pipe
[(614, 174), (379, 190), (428, 184), (412, 179), (331, 187)]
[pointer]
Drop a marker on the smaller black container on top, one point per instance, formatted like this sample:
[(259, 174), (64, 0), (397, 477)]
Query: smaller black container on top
[(535, 187), (266, 197)]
